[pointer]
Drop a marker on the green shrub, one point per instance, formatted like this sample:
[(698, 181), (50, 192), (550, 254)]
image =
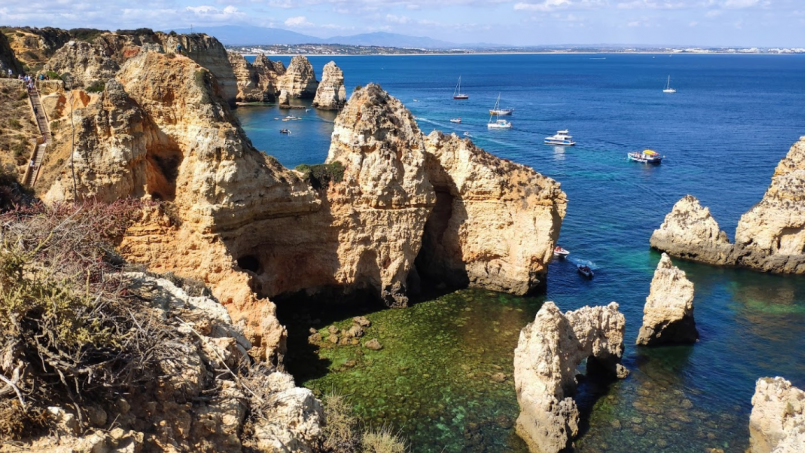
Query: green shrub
[(320, 175), (15, 123), (53, 75), (85, 34), (23, 95), (96, 87)]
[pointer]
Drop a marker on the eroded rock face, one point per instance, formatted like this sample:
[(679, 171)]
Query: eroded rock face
[(771, 236), (299, 80), (256, 82), (33, 46), (8, 61), (545, 361), (690, 232), (85, 63), (331, 94), (495, 222), (668, 313), (777, 422)]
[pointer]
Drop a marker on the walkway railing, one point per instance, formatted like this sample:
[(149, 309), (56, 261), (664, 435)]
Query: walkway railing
[(45, 137)]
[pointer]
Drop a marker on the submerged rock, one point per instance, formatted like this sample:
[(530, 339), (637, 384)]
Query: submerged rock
[(777, 421), (373, 344), (668, 313), (690, 232), (361, 321), (545, 361), (331, 94)]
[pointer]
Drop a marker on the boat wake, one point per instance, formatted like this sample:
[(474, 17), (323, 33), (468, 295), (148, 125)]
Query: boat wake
[(583, 262)]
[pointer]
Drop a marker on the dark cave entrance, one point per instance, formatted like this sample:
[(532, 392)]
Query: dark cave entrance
[(439, 262)]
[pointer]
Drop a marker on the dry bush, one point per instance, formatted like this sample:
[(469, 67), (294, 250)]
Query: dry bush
[(341, 425), (383, 440), (70, 330)]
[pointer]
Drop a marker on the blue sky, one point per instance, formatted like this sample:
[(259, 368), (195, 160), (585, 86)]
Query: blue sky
[(520, 22)]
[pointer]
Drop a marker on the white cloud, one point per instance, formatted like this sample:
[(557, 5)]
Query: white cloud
[(737, 4), (397, 19), (297, 21), (546, 5)]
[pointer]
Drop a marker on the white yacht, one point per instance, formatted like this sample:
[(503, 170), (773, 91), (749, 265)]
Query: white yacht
[(668, 88), (561, 138), (497, 123)]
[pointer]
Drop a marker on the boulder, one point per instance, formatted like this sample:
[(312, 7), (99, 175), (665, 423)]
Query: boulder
[(545, 361), (668, 313), (331, 94), (777, 421)]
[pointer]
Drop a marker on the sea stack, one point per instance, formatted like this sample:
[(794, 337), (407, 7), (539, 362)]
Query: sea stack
[(545, 361), (299, 79), (690, 232), (777, 421), (668, 313), (331, 94)]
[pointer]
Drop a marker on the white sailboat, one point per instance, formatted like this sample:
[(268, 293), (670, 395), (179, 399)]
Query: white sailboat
[(457, 94), (499, 111), (497, 123), (668, 88)]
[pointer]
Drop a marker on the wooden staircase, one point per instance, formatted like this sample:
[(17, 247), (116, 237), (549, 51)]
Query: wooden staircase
[(38, 154)]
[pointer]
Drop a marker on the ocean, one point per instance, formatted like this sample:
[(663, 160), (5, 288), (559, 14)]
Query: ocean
[(731, 121)]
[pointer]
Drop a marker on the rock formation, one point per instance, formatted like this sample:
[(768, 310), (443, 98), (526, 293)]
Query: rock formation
[(690, 232), (668, 314), (777, 422), (331, 94), (7, 58), (299, 80), (284, 98), (33, 46), (495, 222), (545, 361), (771, 236), (256, 82), (83, 63)]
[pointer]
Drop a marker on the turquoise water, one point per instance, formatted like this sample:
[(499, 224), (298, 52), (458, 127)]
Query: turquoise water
[(732, 119)]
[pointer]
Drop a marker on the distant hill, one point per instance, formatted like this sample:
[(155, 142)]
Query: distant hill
[(244, 35), (391, 40)]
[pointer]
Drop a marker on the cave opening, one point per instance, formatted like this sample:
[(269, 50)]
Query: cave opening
[(439, 263), (249, 263)]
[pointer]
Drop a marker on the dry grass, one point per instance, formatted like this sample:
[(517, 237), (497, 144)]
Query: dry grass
[(342, 431), (18, 132), (383, 440)]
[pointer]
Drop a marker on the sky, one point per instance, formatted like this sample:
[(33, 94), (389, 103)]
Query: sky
[(745, 23)]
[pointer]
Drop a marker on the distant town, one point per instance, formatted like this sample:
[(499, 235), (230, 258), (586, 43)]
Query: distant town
[(338, 49)]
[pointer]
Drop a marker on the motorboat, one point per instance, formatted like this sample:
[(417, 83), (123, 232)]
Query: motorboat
[(560, 138), (455, 120), (494, 121), (560, 252), (457, 94), (668, 88), (467, 134), (647, 156), (585, 270), (499, 111), (285, 131)]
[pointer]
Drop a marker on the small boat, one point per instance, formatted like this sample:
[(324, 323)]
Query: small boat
[(497, 123), (467, 134), (455, 120), (499, 111), (457, 92), (668, 88), (560, 252), (647, 156), (285, 131), (585, 271), (561, 138), (416, 100)]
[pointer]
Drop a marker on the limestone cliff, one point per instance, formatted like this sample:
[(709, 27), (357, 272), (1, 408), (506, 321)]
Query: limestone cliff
[(771, 235), (331, 94), (8, 61), (299, 80), (83, 63), (256, 82), (495, 222), (777, 421), (545, 361), (34, 46), (668, 313), (690, 232)]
